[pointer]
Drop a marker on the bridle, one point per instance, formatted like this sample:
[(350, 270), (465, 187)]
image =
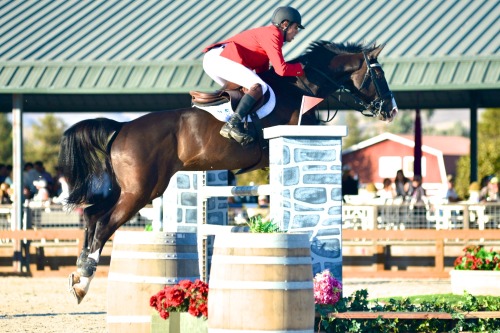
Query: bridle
[(372, 109)]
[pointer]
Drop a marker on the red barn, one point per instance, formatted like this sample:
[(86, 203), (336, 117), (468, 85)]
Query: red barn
[(382, 156)]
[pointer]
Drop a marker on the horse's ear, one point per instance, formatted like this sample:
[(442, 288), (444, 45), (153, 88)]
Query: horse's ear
[(373, 54)]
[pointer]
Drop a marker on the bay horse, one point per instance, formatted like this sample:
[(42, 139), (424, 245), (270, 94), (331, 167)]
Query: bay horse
[(139, 157)]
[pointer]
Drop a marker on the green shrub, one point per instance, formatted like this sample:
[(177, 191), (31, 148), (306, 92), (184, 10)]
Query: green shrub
[(258, 225), (359, 302)]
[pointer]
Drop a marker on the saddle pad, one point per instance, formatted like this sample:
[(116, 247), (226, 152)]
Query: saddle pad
[(224, 111)]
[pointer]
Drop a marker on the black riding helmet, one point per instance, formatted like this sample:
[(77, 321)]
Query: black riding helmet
[(287, 14)]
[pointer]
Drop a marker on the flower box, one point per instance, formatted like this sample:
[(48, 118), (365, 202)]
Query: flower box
[(178, 322), (475, 282)]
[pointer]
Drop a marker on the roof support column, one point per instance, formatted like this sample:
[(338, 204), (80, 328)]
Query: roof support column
[(417, 150), (473, 141), (17, 165)]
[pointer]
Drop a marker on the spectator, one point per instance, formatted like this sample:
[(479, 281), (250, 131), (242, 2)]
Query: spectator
[(474, 192), (489, 193), (8, 178), (417, 202), (31, 175), (27, 195), (451, 195), (402, 184), (38, 165), (5, 194), (64, 193), (263, 201), (3, 173), (350, 183), (42, 194), (387, 192)]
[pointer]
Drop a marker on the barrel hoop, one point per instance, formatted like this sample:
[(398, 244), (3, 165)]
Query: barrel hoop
[(152, 255), (260, 260), (127, 319), (263, 252), (151, 238), (112, 276), (238, 240), (261, 285)]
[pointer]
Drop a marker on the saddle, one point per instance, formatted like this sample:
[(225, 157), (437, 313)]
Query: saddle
[(226, 94), (218, 97)]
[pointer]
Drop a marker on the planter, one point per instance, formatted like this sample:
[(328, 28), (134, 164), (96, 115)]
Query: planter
[(475, 282), (178, 322), (261, 282)]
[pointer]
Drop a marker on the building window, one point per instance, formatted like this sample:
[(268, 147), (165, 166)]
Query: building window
[(388, 166), (408, 166)]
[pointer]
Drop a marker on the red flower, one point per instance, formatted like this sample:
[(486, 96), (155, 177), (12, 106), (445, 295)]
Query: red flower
[(176, 296), (164, 314), (477, 258), (186, 296)]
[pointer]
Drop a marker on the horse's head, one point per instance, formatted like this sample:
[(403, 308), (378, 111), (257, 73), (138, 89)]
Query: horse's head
[(349, 69)]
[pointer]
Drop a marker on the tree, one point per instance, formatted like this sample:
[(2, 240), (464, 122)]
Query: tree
[(44, 144), (354, 135), (5, 139), (488, 138), (404, 123)]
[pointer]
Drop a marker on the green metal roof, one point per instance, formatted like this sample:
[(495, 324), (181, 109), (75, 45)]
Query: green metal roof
[(451, 73), (154, 47)]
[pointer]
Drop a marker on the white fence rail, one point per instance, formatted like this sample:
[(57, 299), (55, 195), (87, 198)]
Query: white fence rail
[(359, 217)]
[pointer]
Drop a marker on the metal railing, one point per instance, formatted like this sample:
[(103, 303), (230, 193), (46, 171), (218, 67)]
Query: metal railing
[(430, 216), (55, 216), (354, 216)]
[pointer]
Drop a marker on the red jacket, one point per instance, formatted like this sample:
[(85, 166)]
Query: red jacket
[(255, 48)]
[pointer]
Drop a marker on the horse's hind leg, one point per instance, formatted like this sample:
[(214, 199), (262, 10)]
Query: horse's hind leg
[(91, 216), (126, 207)]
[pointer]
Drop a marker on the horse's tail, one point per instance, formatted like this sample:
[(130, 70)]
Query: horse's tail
[(84, 156)]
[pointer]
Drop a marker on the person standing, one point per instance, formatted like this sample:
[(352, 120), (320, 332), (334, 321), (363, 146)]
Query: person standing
[(387, 192), (350, 182), (489, 193), (402, 184)]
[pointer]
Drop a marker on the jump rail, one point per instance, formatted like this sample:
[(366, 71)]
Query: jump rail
[(231, 191)]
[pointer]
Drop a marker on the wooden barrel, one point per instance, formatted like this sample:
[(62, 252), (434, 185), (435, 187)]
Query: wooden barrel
[(142, 263), (261, 282)]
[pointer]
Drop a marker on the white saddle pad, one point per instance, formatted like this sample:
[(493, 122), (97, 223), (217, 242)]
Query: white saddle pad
[(224, 111)]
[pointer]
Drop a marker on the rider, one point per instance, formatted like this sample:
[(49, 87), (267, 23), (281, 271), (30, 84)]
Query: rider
[(240, 58)]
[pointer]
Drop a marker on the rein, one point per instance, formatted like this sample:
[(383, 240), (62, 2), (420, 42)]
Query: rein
[(373, 109)]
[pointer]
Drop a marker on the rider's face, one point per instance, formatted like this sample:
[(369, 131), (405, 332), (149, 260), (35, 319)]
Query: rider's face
[(292, 31)]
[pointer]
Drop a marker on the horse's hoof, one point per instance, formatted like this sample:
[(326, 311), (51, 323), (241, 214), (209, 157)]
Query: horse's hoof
[(74, 278), (78, 293)]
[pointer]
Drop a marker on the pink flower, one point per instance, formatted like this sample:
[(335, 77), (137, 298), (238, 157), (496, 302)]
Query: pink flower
[(327, 290)]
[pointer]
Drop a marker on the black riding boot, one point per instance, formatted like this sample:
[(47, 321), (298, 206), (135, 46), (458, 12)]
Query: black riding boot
[(230, 129)]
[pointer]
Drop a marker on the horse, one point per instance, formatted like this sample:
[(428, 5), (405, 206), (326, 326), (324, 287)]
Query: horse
[(139, 157)]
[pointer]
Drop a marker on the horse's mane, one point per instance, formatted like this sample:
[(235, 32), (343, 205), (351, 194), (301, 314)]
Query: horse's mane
[(323, 51)]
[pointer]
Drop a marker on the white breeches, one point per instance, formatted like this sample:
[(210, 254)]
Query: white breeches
[(223, 70)]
